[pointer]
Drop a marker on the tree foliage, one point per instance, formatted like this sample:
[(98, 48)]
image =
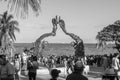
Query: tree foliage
[(110, 33), (8, 26), (21, 7)]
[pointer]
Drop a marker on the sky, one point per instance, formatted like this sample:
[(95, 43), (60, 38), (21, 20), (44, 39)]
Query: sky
[(84, 18)]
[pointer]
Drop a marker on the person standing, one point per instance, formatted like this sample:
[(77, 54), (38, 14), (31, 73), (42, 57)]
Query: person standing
[(7, 70), (77, 74), (65, 65), (115, 64), (17, 66), (105, 62), (69, 65), (32, 68), (84, 61), (24, 58)]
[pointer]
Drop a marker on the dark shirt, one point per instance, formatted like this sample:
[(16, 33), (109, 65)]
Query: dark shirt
[(32, 66), (76, 76), (7, 71), (69, 62)]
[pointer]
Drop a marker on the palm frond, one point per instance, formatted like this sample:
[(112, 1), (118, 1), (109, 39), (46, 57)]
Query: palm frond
[(13, 23), (21, 6), (14, 35), (9, 18), (1, 35), (11, 36), (17, 7), (5, 16), (16, 29), (25, 6), (11, 5)]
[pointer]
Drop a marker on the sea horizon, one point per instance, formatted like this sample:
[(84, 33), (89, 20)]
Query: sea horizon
[(66, 49)]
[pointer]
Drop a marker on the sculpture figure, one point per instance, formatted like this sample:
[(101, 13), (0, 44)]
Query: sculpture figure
[(78, 42), (39, 44)]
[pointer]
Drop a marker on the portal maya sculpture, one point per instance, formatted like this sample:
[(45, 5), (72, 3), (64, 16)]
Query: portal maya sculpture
[(77, 44)]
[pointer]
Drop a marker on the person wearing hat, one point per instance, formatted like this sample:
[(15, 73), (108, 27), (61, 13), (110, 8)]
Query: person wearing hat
[(7, 70), (77, 74), (54, 74)]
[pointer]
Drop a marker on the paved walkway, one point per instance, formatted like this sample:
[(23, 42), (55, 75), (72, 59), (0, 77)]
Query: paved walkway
[(43, 74)]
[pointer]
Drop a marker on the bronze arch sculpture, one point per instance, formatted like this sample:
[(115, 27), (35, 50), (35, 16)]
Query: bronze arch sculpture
[(78, 42)]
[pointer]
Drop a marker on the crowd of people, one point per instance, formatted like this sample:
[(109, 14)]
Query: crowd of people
[(28, 62)]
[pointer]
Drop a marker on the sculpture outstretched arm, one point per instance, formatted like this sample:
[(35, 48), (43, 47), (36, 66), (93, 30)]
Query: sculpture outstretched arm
[(38, 42), (54, 22), (52, 33), (62, 25), (73, 36), (78, 44)]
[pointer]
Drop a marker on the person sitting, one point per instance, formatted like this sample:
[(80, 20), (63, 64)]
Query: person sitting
[(77, 74), (54, 74)]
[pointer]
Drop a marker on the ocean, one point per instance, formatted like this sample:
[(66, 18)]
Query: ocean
[(66, 49)]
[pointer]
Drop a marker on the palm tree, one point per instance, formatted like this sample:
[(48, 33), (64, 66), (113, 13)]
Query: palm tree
[(7, 30), (22, 6)]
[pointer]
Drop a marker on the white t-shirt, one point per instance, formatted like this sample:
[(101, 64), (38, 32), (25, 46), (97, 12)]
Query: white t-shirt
[(24, 56), (17, 64), (65, 63), (115, 63)]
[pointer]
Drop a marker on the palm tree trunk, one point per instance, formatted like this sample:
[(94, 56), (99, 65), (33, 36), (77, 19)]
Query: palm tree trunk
[(1, 39)]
